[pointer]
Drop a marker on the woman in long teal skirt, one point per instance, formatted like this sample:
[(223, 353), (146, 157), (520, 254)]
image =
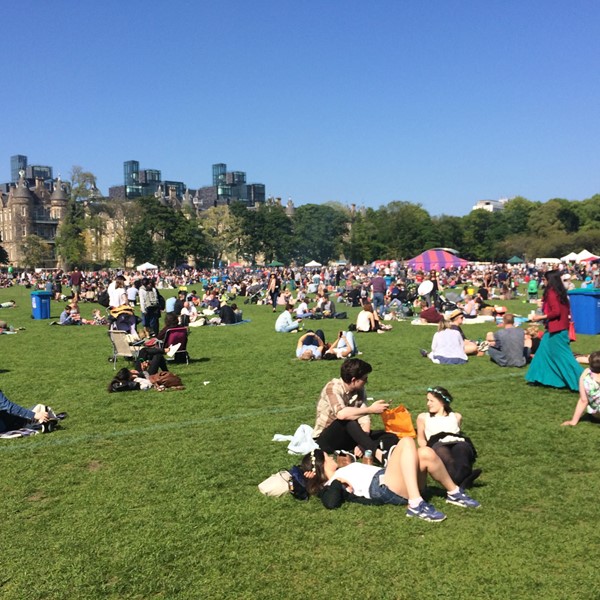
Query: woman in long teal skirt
[(554, 364)]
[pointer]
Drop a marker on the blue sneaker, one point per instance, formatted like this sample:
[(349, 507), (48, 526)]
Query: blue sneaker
[(461, 499), (425, 511)]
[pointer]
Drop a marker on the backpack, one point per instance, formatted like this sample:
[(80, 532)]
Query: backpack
[(152, 302), (161, 301), (104, 299)]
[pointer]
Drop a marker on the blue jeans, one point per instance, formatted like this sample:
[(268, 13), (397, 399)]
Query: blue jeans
[(378, 302), (381, 492)]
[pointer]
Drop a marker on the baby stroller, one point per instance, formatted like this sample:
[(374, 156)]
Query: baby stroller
[(253, 293)]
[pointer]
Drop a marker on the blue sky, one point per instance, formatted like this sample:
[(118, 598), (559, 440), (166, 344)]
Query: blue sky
[(441, 103)]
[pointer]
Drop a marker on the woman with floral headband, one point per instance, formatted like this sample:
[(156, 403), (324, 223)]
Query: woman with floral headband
[(399, 483), (439, 429)]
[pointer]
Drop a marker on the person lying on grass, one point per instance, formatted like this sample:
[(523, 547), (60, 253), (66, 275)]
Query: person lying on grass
[(343, 347), (401, 482), (13, 416), (150, 361), (589, 392), (311, 345), (439, 429)]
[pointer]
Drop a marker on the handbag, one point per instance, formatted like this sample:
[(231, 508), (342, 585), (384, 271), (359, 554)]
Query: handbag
[(166, 379), (276, 485), (572, 334), (398, 421)]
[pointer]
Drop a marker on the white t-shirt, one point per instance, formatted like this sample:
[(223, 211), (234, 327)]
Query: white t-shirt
[(359, 476)]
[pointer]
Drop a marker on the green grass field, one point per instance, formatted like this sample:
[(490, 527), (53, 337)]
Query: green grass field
[(153, 495)]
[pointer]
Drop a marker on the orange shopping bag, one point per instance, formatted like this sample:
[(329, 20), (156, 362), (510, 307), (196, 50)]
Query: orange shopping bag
[(397, 420)]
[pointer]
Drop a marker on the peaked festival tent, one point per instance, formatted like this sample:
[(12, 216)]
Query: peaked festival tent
[(313, 263), (585, 255), (569, 257), (515, 260), (436, 259), (146, 267)]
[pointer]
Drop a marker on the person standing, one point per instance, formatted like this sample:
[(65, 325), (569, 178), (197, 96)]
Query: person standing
[(378, 289), (553, 363), (149, 306), (75, 281), (273, 289)]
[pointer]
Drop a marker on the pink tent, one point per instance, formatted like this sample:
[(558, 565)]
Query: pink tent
[(436, 259)]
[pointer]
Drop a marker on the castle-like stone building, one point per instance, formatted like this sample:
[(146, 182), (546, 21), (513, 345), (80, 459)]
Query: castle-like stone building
[(30, 210)]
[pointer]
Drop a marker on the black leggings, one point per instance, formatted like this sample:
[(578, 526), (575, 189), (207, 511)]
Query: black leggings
[(346, 435), (156, 360), (458, 459)]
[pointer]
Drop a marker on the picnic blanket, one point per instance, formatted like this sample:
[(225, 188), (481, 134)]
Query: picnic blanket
[(478, 319)]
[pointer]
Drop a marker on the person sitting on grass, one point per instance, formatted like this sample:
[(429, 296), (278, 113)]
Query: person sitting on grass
[(343, 419), (589, 393), (368, 320), (285, 323), (507, 344), (302, 310), (400, 483), (311, 345), (70, 316), (13, 416), (439, 429), (447, 347)]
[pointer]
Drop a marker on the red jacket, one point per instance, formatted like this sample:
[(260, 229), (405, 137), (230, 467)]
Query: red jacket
[(557, 314)]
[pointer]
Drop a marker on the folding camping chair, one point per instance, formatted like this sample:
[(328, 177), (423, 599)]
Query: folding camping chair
[(177, 335), (121, 346)]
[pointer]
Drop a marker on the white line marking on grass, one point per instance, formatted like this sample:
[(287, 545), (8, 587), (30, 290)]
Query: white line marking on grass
[(151, 428)]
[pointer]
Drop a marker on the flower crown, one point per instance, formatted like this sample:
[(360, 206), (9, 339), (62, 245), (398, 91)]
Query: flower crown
[(437, 390)]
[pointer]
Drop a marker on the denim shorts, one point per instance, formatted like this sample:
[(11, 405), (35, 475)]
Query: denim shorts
[(381, 492)]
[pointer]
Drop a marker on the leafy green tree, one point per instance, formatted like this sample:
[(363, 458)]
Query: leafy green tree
[(448, 232), (272, 229), (70, 239), (406, 229), (36, 251), (516, 214), (319, 232), (163, 235)]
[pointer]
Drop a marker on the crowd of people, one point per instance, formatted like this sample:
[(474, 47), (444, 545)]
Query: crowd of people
[(343, 425)]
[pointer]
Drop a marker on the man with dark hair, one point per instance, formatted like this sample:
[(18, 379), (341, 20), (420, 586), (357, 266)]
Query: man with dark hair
[(343, 415)]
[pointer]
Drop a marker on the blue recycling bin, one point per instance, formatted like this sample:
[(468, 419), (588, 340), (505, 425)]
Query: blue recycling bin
[(40, 305), (585, 310)]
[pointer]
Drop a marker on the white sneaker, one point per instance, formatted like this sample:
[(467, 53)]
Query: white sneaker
[(173, 349)]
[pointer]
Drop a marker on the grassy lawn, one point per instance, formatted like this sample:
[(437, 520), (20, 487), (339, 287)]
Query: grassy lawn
[(153, 495)]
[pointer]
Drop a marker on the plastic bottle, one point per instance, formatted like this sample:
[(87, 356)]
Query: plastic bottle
[(368, 457)]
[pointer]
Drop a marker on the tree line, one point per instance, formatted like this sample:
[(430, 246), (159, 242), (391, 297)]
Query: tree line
[(144, 229)]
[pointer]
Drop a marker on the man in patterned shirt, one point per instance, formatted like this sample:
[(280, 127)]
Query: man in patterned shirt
[(343, 415)]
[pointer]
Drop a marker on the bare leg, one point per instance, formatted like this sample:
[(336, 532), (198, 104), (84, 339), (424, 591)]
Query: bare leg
[(401, 470), (430, 462)]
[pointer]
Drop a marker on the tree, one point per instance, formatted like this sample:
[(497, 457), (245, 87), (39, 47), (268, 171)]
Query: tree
[(364, 244), (221, 230), (36, 251), (70, 240), (406, 229), (271, 228), (319, 231), (163, 235), (83, 184)]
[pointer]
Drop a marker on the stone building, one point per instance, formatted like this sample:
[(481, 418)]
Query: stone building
[(30, 210)]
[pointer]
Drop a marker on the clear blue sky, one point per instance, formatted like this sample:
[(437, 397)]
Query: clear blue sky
[(438, 102)]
